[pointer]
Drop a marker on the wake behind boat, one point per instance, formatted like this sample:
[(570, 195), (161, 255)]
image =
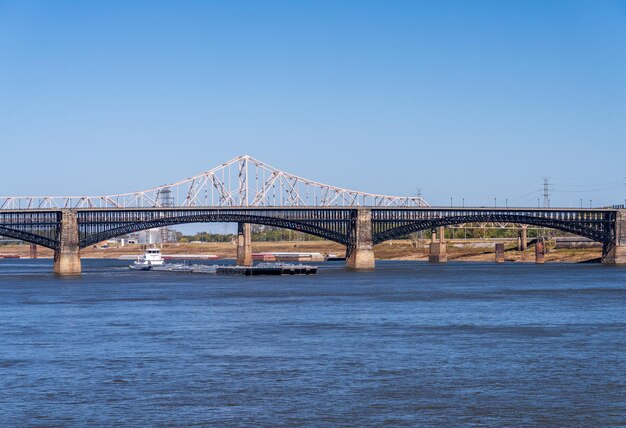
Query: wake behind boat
[(141, 265)]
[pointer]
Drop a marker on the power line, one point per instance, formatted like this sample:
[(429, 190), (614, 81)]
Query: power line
[(534, 192), (612, 183), (590, 190)]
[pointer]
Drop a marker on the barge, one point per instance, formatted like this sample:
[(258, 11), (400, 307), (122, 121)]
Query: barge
[(267, 269)]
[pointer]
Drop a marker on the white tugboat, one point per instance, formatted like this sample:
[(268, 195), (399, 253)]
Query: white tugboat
[(153, 255), (150, 258)]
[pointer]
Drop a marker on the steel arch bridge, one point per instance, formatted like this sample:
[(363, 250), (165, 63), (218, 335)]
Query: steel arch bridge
[(42, 227), (245, 190)]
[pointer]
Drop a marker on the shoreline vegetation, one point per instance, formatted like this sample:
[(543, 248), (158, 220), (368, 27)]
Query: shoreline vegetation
[(402, 249)]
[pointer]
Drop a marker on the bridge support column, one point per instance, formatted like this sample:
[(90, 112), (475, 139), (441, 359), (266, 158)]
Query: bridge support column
[(437, 251), (33, 251), (244, 245), (499, 253), (67, 256), (616, 254), (522, 239), (540, 251), (360, 255)]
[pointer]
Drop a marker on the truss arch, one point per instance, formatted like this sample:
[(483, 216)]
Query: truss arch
[(29, 237), (592, 230), (336, 234)]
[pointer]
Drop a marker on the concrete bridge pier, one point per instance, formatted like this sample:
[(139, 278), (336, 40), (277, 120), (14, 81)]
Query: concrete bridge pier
[(540, 251), (437, 251), (360, 255), (499, 253), (244, 245), (616, 254), (522, 238), (67, 255)]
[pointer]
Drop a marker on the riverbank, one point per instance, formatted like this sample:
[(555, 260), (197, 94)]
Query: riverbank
[(391, 250)]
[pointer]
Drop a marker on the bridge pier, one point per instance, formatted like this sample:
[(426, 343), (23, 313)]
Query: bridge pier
[(360, 255), (67, 255), (499, 253), (616, 253), (244, 244), (437, 250), (522, 239), (540, 251)]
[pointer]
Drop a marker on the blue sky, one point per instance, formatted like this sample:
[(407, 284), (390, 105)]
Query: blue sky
[(474, 100)]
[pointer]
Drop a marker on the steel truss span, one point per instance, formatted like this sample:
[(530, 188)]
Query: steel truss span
[(331, 224), (37, 227), (240, 182), (336, 224), (597, 225)]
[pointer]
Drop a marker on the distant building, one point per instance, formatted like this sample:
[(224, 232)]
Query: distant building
[(150, 236)]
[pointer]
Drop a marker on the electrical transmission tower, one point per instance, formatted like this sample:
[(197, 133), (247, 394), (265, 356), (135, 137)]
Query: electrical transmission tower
[(546, 193), (166, 199), (418, 193)]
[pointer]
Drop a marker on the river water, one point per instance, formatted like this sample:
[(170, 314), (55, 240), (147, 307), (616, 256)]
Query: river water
[(410, 344)]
